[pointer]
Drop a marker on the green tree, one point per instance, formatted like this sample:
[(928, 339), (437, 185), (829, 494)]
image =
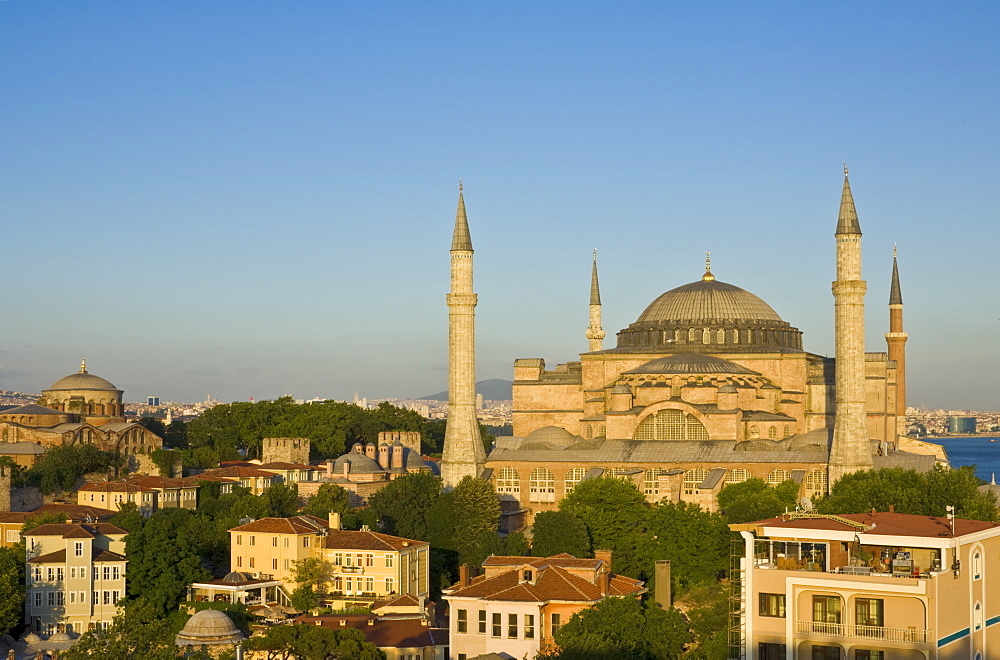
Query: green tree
[(404, 505), (11, 587), (139, 633), (694, 540), (153, 424), (622, 629), (128, 517), (613, 510), (281, 500), (305, 642), (924, 494), (330, 498), (754, 499), (314, 572), (559, 531), (165, 460), (163, 560), (476, 511), (60, 468)]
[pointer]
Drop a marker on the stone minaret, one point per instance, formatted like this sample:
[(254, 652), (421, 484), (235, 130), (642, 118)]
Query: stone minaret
[(595, 333), (463, 445), (851, 450), (896, 339)]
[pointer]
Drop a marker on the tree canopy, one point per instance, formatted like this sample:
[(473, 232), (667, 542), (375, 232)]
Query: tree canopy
[(920, 493), (59, 468), (622, 629), (554, 532), (304, 642), (754, 499), (404, 505)]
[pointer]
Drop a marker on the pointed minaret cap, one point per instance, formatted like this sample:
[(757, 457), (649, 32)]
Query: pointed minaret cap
[(83, 365), (895, 295), (847, 223), (595, 289), (461, 240)]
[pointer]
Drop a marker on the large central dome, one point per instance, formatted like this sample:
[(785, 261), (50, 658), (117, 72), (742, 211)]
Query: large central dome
[(709, 316), (706, 300)]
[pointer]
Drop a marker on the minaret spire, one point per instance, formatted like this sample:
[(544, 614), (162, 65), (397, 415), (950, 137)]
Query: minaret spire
[(896, 341), (463, 453), (851, 449), (595, 333)]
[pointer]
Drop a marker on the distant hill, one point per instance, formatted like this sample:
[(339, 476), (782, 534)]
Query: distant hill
[(494, 389)]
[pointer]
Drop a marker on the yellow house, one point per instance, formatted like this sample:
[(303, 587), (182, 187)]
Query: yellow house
[(874, 586), (75, 576)]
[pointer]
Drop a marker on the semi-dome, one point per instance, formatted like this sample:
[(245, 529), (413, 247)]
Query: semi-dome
[(708, 300), (690, 363), (209, 627)]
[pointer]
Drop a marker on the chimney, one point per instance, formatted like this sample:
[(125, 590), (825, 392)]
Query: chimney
[(347, 467), (370, 451), (358, 447), (333, 519), (892, 508), (874, 511), (397, 456), (605, 555), (661, 577), (463, 576), (605, 578), (329, 469)]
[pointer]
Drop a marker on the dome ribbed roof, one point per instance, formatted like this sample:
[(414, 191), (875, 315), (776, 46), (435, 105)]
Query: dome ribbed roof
[(209, 624), (82, 381), (707, 300)]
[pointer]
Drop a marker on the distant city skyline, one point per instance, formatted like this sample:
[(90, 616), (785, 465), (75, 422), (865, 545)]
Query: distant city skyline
[(253, 199)]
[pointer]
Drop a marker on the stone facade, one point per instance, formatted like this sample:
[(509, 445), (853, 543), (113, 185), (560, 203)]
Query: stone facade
[(285, 450), (712, 385), (464, 454)]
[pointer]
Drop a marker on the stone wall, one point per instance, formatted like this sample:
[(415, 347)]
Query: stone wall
[(285, 450)]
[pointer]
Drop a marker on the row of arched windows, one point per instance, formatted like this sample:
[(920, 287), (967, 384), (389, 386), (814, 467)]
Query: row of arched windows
[(542, 482), (772, 432)]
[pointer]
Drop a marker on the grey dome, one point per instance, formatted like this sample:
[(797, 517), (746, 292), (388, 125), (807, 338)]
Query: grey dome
[(690, 363), (60, 637), (552, 435), (209, 627), (708, 300), (82, 381), (359, 462), (235, 577)]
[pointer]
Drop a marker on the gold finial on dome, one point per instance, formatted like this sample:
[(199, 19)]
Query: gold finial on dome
[(83, 365), (708, 277)]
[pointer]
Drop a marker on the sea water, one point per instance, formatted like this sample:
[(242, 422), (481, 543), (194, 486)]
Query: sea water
[(974, 450)]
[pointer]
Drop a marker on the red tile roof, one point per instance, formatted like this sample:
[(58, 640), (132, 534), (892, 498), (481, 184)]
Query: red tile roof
[(348, 539), (304, 524), (76, 530), (884, 523), (563, 560), (238, 472), (158, 482), (114, 487), (402, 632), (279, 465), (551, 582)]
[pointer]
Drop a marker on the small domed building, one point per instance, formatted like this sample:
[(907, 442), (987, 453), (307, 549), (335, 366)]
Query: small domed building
[(209, 630)]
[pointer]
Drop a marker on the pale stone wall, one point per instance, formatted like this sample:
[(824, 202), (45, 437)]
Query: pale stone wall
[(285, 450)]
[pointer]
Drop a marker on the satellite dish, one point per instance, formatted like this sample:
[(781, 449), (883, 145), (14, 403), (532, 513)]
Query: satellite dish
[(806, 504)]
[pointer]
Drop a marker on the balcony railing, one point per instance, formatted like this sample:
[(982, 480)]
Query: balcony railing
[(857, 631)]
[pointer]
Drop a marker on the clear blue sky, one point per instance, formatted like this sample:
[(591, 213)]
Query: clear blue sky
[(256, 198)]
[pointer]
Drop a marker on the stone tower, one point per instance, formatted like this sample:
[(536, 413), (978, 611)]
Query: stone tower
[(851, 450), (595, 333), (896, 339), (463, 445), (285, 450)]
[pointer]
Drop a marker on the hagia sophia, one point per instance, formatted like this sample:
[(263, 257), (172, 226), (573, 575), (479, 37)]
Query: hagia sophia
[(709, 386)]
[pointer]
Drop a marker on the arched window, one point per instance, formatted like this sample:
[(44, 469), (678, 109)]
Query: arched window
[(619, 473), (977, 565), (737, 476), (778, 476), (977, 616), (651, 483), (677, 334), (815, 482), (736, 336), (692, 478), (788, 431), (720, 336), (749, 336), (588, 431), (706, 336), (573, 477), (508, 481), (542, 485), (670, 425), (772, 432), (692, 334), (602, 430), (754, 433)]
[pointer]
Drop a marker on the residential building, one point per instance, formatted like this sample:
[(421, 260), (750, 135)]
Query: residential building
[(518, 604), (112, 494), (366, 566), (251, 478), (75, 576), (873, 586), (11, 522), (399, 636)]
